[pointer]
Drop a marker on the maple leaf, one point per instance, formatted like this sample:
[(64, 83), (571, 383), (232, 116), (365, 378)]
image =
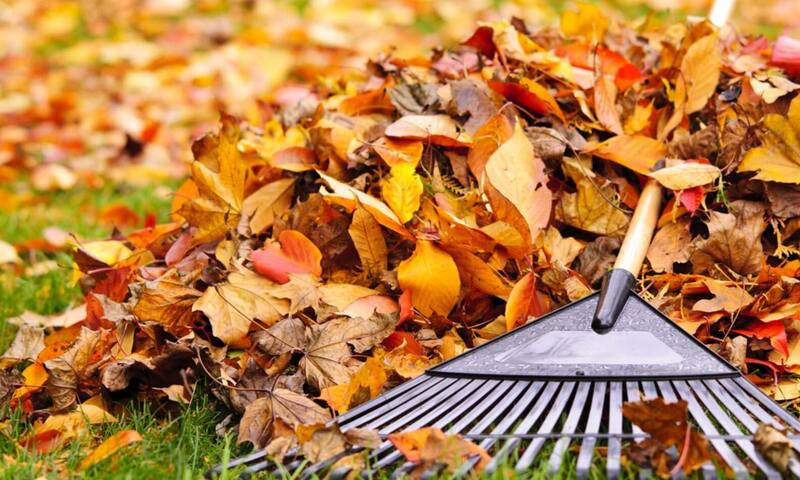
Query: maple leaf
[(364, 385), (76, 363), (219, 173), (259, 421), (232, 306), (734, 239), (169, 303), (431, 445), (670, 245)]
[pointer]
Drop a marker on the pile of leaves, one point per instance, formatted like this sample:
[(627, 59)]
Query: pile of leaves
[(419, 207)]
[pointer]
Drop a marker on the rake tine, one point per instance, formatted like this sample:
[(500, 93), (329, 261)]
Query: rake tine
[(592, 426), (441, 422), (258, 455), (763, 399), (399, 405), (709, 471), (650, 391), (574, 416), (530, 391), (340, 473), (731, 428), (750, 403), (635, 395), (547, 425), (739, 470), (531, 417), (328, 462), (614, 428), (386, 397)]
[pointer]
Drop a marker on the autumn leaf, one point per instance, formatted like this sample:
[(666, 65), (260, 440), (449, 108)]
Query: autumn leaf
[(265, 204), (110, 446), (258, 423), (700, 68), (66, 370), (430, 445), (437, 129), (296, 254), (431, 275), (525, 302), (218, 172), (365, 232), (588, 21), (395, 151), (734, 239), (402, 191), (605, 96), (365, 385), (169, 303), (777, 158), (686, 175), (590, 209), (670, 245), (727, 296), (774, 446), (637, 152), (519, 176), (233, 306)]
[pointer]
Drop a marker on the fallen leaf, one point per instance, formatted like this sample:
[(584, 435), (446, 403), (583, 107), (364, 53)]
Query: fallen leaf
[(774, 446), (734, 239), (605, 96), (728, 296), (430, 445), (590, 209), (700, 68), (169, 303), (265, 204), (431, 275), (402, 191), (365, 232), (525, 302), (670, 245), (436, 129), (776, 159), (637, 152), (519, 176), (365, 385), (110, 446), (296, 254), (279, 405), (686, 175)]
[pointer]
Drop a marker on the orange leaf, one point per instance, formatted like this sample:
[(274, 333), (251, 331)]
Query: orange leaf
[(119, 215), (42, 442), (373, 101), (525, 301), (297, 254), (110, 446), (34, 377), (774, 331), (405, 340), (637, 152), (514, 92)]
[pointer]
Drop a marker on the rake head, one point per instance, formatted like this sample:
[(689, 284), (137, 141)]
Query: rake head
[(513, 399)]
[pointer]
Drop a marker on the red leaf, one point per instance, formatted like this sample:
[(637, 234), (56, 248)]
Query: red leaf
[(42, 442), (775, 331), (691, 198), (482, 41), (297, 254), (405, 306), (786, 54), (525, 301), (626, 76), (520, 95), (404, 339)]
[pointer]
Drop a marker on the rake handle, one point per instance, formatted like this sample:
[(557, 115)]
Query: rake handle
[(619, 280)]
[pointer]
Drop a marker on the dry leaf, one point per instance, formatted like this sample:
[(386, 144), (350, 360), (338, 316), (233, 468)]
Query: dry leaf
[(432, 277), (402, 191), (110, 446), (637, 152), (296, 255), (700, 68), (368, 239), (734, 239), (267, 203)]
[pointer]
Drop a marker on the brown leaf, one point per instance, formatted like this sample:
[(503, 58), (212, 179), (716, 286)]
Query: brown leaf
[(258, 422), (68, 369), (597, 258), (431, 445), (734, 239), (159, 371), (728, 296), (605, 95), (701, 67), (265, 204), (472, 98), (233, 305), (169, 303), (27, 344), (365, 385), (774, 446), (288, 335), (670, 245)]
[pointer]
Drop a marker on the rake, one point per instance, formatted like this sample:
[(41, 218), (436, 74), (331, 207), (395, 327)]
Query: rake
[(560, 382)]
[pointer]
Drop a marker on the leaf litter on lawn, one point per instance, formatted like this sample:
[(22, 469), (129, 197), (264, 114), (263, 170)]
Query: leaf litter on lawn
[(435, 203)]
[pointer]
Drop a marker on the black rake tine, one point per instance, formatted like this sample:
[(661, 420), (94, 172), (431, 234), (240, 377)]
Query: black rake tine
[(730, 427), (586, 453), (571, 423), (560, 403)]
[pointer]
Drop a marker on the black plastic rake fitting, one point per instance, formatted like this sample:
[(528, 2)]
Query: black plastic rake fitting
[(617, 284)]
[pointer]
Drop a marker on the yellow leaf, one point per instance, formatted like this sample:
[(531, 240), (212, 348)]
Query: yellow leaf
[(34, 377), (348, 196), (233, 305), (637, 152), (542, 94), (686, 175), (476, 272), (432, 276), (365, 385), (437, 129), (700, 68), (515, 172), (219, 173), (778, 159), (266, 203), (591, 210), (588, 22), (639, 119), (110, 446), (402, 191), (365, 232)]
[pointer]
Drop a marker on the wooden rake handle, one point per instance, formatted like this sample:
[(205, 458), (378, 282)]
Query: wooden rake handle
[(619, 280)]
